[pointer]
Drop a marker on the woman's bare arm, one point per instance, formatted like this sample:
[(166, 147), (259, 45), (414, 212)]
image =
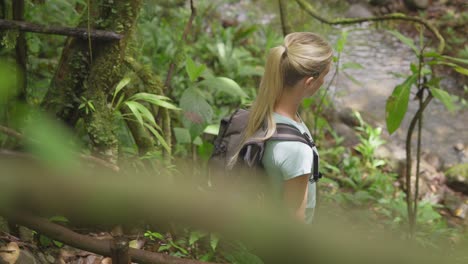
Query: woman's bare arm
[(295, 195)]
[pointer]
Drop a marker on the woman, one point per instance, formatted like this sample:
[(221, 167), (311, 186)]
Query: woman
[(293, 71)]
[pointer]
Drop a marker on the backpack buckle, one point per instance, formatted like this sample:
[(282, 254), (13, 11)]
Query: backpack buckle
[(315, 177)]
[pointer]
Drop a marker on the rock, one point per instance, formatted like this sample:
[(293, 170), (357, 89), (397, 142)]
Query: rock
[(346, 116), (456, 203), (358, 10), (10, 253), (457, 178), (348, 134), (431, 182), (433, 160)]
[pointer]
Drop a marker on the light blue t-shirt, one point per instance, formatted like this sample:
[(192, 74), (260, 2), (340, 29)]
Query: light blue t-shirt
[(284, 160)]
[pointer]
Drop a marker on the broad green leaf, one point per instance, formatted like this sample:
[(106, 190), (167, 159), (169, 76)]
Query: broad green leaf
[(182, 135), (197, 141), (444, 97), (351, 65), (225, 85), (409, 42), (120, 86), (158, 100), (143, 111), (195, 236), (214, 239), (341, 41), (159, 137), (193, 70), (197, 113), (135, 109), (397, 104), (212, 129)]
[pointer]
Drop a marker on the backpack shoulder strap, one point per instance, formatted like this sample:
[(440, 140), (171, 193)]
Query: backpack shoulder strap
[(286, 132)]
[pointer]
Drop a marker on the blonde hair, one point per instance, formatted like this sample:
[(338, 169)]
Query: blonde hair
[(302, 54)]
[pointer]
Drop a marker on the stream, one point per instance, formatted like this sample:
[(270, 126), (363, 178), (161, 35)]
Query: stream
[(382, 55)]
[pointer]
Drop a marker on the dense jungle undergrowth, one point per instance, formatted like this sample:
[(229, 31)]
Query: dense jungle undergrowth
[(122, 121)]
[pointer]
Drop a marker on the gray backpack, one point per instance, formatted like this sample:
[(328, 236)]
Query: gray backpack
[(229, 137)]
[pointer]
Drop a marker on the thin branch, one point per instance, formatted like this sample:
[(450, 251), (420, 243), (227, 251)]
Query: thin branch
[(416, 117), (59, 30), (188, 26), (10, 132), (283, 10), (101, 247), (343, 21)]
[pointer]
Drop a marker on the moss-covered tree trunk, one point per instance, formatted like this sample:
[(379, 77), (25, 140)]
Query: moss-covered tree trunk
[(91, 69)]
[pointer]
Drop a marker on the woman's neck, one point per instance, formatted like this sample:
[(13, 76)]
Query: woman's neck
[(288, 105)]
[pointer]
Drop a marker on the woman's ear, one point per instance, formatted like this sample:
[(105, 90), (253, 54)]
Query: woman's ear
[(309, 80)]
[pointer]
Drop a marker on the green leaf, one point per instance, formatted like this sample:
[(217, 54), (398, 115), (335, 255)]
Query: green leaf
[(197, 141), (58, 219), (193, 70), (461, 70), (159, 137), (158, 100), (153, 235), (341, 41), (120, 86), (444, 97), (182, 135), (181, 249), (197, 113), (224, 85), (135, 109), (214, 239), (351, 65), (212, 129), (354, 80), (409, 42), (195, 236), (397, 104), (45, 241), (459, 60), (205, 150), (431, 54)]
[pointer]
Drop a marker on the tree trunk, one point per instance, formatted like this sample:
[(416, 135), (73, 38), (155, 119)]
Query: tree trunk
[(90, 69), (21, 51)]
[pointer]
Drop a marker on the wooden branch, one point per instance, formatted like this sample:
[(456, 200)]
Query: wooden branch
[(59, 30), (21, 51), (188, 26), (409, 135), (83, 242), (344, 21), (283, 10), (10, 132)]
